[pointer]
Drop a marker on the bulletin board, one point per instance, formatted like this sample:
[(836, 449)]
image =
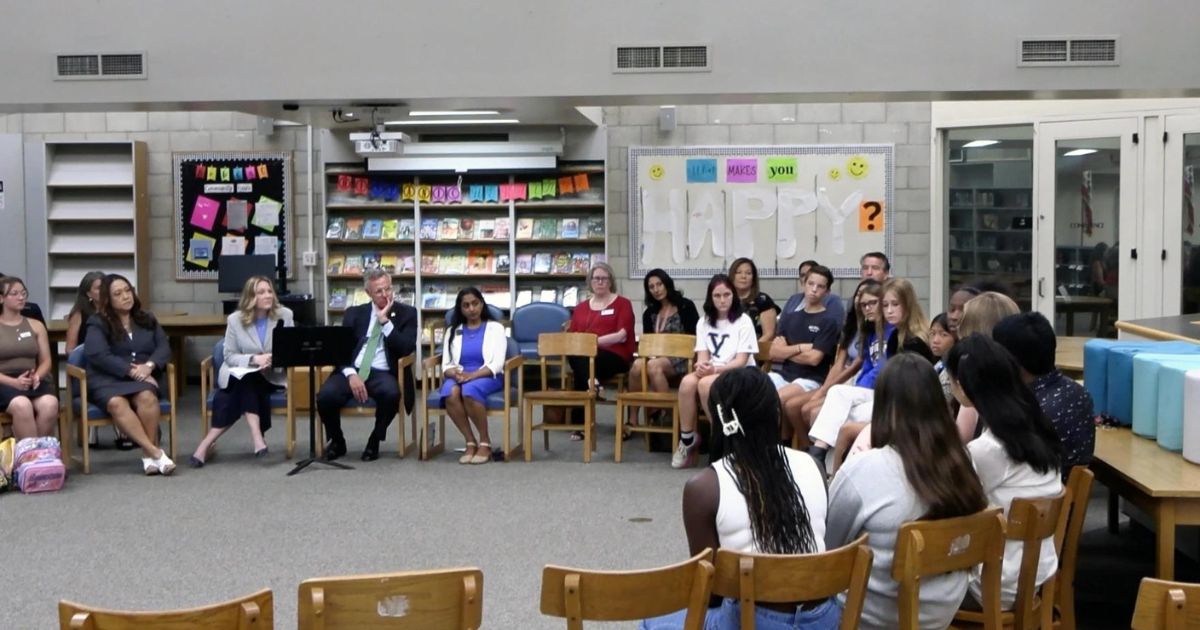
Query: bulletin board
[(230, 203), (694, 210)]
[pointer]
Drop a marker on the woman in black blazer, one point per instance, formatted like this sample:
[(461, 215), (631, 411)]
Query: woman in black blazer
[(126, 353), (667, 311)]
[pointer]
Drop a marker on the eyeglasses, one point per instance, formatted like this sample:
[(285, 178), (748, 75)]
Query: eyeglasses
[(18, 294), (866, 303), (601, 279)]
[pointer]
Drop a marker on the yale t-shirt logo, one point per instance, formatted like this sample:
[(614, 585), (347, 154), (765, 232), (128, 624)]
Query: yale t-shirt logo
[(813, 328), (716, 341)]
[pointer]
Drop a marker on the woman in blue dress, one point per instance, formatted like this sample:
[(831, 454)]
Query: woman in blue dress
[(472, 369)]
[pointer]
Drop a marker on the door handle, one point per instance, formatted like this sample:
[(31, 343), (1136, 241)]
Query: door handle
[(1041, 287)]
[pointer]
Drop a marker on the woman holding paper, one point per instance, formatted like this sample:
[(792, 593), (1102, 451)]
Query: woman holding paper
[(246, 378)]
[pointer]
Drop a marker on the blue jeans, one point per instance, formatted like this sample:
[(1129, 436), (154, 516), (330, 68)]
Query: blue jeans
[(826, 616)]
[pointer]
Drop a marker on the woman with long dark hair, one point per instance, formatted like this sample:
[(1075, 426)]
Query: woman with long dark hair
[(758, 306), (1018, 453), (86, 299), (759, 497), (917, 468), (667, 311), (724, 341), (472, 370), (127, 352)]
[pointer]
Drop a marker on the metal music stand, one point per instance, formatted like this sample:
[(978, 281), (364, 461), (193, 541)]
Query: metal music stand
[(312, 347)]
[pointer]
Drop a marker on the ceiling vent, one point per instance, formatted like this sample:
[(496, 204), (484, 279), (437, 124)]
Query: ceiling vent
[(100, 66), (659, 58), (1068, 51)]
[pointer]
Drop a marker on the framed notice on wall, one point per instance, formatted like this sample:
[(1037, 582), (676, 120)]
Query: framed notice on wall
[(694, 210), (230, 203)]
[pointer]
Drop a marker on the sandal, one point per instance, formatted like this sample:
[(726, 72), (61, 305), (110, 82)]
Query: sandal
[(627, 432), (577, 436), (482, 459), (469, 454)]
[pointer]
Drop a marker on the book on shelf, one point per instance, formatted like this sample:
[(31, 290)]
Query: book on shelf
[(466, 229), (372, 230), (353, 266), (570, 297), (407, 264), (497, 295), (524, 296), (337, 226), (545, 228), (360, 297), (485, 229), (503, 263), (434, 295), (524, 263), (448, 229), (481, 261), (548, 294), (581, 262), (429, 229), (542, 262), (406, 295), (524, 229), (429, 263), (406, 230), (337, 298), (502, 229), (595, 227), (354, 230), (569, 228), (454, 262), (561, 263), (597, 258), (391, 227), (336, 263), (371, 261), (387, 262)]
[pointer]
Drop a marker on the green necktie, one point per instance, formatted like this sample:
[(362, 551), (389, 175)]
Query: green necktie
[(364, 369)]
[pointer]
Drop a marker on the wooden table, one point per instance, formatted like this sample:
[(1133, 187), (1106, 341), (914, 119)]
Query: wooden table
[(1068, 355), (1158, 481), (1081, 304), (178, 328)]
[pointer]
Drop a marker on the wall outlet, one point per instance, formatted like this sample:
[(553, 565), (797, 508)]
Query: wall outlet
[(309, 259)]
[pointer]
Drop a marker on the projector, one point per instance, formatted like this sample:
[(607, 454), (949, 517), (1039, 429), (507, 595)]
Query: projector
[(376, 143)]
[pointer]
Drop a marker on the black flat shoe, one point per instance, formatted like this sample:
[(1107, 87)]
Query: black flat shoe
[(262, 452), (334, 450), (195, 462), (371, 453)]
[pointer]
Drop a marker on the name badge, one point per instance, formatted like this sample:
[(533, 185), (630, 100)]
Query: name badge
[(607, 311), (24, 335)]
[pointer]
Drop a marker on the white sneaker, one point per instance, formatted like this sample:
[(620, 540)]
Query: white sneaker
[(685, 456), (149, 466), (164, 464)]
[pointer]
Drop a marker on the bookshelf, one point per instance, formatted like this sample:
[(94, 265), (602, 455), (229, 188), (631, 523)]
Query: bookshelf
[(536, 244), (94, 209), (990, 237)]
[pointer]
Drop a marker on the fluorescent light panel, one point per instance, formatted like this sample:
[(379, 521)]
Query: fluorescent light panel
[(975, 144), (1079, 152), (462, 121), (477, 112)]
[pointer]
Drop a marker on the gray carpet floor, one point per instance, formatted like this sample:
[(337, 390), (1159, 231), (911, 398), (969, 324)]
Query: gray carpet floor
[(122, 540)]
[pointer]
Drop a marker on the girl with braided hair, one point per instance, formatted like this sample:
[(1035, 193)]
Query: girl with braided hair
[(759, 497)]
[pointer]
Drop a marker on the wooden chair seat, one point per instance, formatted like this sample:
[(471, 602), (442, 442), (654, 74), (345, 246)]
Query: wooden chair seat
[(649, 399), (565, 396), (441, 598), (252, 612)]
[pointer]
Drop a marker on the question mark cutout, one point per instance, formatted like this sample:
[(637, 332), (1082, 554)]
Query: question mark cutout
[(870, 216)]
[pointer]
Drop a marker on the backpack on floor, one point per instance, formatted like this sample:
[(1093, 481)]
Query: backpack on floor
[(38, 465)]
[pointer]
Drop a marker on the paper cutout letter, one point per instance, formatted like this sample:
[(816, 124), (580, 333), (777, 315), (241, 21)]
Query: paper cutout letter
[(211, 174), (870, 216), (226, 175), (566, 185), (491, 192), (535, 190), (793, 202), (424, 193), (581, 182), (549, 188), (750, 204), (657, 220), (706, 215), (837, 216)]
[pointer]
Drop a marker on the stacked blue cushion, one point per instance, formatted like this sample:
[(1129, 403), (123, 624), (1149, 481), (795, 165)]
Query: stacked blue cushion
[(1191, 417), (1172, 381), (1149, 388), (1119, 377), (1095, 368)]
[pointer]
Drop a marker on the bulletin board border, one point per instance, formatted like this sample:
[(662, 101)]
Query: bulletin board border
[(636, 271), (177, 160)]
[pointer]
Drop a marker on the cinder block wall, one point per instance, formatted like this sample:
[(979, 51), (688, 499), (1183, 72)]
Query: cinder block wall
[(904, 124)]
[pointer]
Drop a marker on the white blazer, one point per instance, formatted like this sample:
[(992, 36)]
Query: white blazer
[(495, 343), (241, 343)]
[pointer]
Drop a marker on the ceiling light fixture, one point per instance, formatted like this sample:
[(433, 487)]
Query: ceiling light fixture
[(975, 144), (462, 121), (450, 112), (1079, 152)]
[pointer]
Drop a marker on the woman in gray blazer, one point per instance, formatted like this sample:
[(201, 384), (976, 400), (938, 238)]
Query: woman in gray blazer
[(246, 378)]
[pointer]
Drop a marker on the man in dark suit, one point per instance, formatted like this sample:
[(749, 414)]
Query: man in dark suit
[(386, 331)]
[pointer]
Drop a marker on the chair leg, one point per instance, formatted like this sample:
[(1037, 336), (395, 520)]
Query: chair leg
[(87, 451), (527, 429), (588, 445), (64, 437), (291, 432), (620, 426), (423, 439)]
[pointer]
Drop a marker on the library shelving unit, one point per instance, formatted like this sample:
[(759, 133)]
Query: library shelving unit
[(990, 237), (439, 245), (94, 213)]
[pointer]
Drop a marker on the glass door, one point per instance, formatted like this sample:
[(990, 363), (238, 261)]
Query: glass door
[(1181, 225), (1084, 228)]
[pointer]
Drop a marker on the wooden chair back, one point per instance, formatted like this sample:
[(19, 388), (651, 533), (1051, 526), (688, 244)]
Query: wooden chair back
[(578, 594), (556, 347), (926, 548), (763, 358), (1166, 605), (1032, 520), (1079, 491), (251, 612), (668, 345), (441, 598), (751, 578)]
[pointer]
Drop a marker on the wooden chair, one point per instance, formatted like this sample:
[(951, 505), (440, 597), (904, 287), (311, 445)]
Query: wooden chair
[(1030, 520), (1166, 605), (927, 548), (6, 420), (751, 578), (441, 598), (653, 346), (280, 401), (503, 403), (92, 416), (763, 358), (1079, 491), (254, 611), (298, 383), (554, 348), (577, 594)]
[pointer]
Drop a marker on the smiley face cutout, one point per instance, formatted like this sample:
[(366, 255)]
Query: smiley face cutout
[(835, 173), (657, 171), (857, 167)]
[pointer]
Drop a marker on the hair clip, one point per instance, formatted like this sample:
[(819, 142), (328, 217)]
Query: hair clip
[(731, 427)]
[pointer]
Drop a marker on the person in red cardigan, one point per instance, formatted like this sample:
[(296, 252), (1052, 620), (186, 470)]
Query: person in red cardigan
[(610, 317)]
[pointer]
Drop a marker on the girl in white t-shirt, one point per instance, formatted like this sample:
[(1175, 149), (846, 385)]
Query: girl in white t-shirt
[(725, 340)]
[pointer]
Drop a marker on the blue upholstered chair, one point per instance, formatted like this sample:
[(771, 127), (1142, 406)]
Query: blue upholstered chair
[(92, 416), (531, 320), (502, 403), (280, 401)]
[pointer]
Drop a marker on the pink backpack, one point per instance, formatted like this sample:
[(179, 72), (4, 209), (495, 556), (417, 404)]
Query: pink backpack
[(38, 465)]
